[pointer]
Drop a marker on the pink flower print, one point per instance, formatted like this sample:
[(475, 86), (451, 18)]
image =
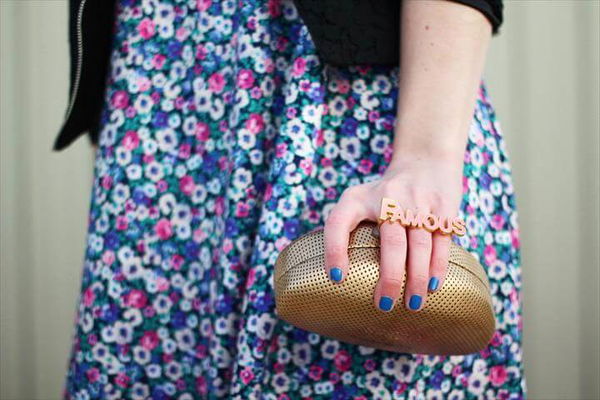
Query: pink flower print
[(320, 138), (373, 116), (278, 367), (306, 166), (162, 185), (256, 92), (473, 243), (245, 79), (130, 112), (247, 375), (242, 210), (162, 284), (465, 184), (146, 28), (108, 257), (149, 312), (158, 60), (365, 166), (497, 222), (342, 360), (456, 371), (274, 8), (187, 185), (122, 380), (136, 299), (498, 375), (515, 238), (219, 206), (177, 261), (489, 254), (268, 192), (326, 162), (281, 242), (92, 375), (88, 297), (255, 123), (291, 112), (269, 65), (201, 386), (216, 82), (201, 52), (120, 99), (369, 364), (163, 229), (343, 86), (185, 150), (202, 131), (149, 340), (250, 278), (281, 43), (496, 339), (315, 372), (203, 5), (92, 339), (350, 102), (181, 34), (107, 182), (122, 223), (227, 246), (299, 66), (143, 83), (280, 150)]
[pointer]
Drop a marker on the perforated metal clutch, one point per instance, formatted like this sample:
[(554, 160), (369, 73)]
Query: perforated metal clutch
[(457, 319)]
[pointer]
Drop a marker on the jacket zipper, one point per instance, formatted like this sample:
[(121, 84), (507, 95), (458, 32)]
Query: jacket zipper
[(79, 59)]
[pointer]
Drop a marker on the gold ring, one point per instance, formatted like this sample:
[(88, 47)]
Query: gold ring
[(392, 211)]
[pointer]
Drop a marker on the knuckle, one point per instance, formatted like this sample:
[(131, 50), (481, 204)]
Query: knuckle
[(439, 262), (335, 250), (418, 279), (420, 241), (395, 238), (391, 284), (336, 217)]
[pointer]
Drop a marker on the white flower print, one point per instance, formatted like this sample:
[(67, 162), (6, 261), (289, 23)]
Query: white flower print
[(139, 391), (350, 148), (281, 382), (312, 114), (265, 326), (379, 143), (141, 355), (301, 354)]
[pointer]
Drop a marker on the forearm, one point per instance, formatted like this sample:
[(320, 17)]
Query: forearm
[(442, 56)]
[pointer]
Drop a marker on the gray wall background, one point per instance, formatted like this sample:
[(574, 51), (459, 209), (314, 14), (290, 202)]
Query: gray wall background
[(542, 74)]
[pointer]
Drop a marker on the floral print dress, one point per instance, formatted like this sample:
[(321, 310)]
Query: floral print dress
[(224, 138)]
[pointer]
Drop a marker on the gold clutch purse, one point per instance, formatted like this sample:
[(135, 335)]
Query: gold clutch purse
[(456, 319)]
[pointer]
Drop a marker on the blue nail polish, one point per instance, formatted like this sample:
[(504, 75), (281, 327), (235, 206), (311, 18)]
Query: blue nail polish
[(335, 274), (415, 302), (385, 303), (433, 283)]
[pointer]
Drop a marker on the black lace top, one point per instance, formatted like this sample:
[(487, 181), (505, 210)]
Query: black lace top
[(351, 32)]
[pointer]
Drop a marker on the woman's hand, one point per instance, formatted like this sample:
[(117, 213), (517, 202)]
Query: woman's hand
[(430, 183), (442, 54)]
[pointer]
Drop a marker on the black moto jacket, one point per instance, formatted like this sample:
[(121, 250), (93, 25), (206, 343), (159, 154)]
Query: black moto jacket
[(344, 32)]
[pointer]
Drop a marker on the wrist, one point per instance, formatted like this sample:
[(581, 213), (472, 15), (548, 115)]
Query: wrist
[(443, 146)]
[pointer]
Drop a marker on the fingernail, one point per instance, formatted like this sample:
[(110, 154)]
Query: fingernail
[(415, 302), (433, 283), (385, 303), (336, 274)]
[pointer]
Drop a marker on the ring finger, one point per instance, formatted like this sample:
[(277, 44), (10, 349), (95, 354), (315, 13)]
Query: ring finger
[(417, 267)]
